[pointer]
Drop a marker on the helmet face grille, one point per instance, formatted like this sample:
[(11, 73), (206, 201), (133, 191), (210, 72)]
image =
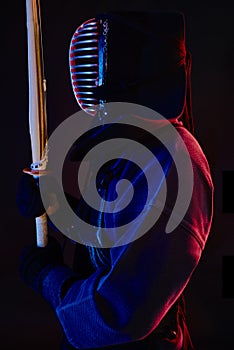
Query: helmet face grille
[(85, 57)]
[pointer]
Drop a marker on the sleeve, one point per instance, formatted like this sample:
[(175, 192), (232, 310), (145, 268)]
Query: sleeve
[(126, 302)]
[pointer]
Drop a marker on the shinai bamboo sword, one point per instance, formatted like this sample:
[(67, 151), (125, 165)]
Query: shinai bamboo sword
[(37, 105)]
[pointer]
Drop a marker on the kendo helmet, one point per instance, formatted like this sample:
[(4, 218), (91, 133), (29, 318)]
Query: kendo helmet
[(130, 56)]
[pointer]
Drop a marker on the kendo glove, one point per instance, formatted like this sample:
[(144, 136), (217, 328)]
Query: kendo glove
[(44, 271), (28, 198)]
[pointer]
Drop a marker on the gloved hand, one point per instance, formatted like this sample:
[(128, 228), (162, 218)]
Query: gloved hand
[(28, 197), (29, 200), (34, 261), (44, 271)]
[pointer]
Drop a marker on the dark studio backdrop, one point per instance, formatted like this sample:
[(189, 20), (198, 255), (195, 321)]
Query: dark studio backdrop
[(26, 320)]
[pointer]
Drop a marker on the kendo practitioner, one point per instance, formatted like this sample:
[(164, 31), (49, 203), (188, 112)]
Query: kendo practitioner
[(130, 296)]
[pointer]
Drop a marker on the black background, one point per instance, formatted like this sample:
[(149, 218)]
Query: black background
[(26, 320)]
